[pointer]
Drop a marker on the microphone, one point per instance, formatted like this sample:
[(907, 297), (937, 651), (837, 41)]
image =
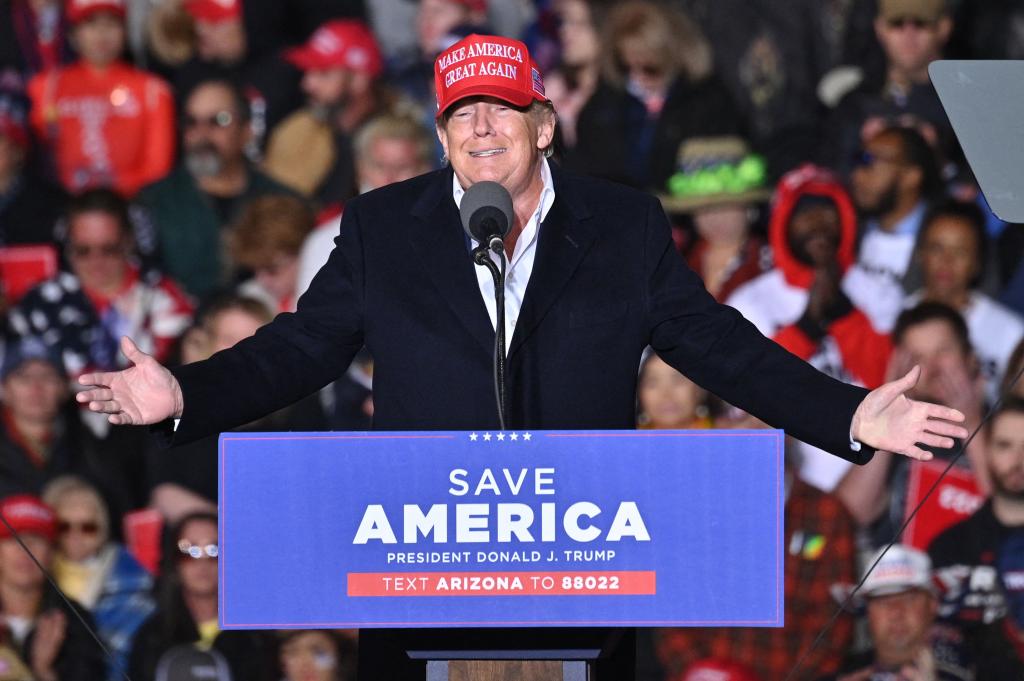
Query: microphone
[(486, 212)]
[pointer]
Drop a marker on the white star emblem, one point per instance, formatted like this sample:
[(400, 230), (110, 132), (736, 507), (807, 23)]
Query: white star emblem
[(487, 436), (513, 436), (473, 437), (527, 436), (501, 436)]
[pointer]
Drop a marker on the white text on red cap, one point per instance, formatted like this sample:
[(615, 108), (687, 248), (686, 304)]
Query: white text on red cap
[(510, 52)]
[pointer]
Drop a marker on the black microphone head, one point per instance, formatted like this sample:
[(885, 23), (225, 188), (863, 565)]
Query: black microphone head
[(486, 211)]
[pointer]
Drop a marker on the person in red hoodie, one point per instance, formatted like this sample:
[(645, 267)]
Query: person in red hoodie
[(802, 303), (105, 122)]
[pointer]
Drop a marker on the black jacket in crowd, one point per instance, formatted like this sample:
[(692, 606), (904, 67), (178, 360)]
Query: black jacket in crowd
[(617, 140), (80, 658)]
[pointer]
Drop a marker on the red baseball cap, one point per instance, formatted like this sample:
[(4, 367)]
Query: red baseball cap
[(80, 10), (27, 514), (487, 65), (346, 43), (214, 11)]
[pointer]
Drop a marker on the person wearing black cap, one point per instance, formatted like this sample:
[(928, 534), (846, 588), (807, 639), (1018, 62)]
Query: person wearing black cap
[(34, 390), (42, 436)]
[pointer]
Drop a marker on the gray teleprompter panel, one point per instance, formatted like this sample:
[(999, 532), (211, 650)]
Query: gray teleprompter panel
[(985, 103)]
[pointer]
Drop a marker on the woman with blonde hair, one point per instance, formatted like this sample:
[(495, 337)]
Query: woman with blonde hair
[(657, 89), (96, 571)]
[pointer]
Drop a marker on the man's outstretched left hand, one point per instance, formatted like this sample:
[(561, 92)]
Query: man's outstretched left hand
[(888, 419)]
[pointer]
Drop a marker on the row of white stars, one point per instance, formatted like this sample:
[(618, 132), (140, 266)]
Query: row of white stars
[(500, 436)]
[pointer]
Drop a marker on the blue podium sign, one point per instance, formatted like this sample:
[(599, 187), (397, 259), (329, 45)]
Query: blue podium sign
[(491, 529)]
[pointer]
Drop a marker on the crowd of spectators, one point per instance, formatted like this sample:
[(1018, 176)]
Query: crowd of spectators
[(174, 171)]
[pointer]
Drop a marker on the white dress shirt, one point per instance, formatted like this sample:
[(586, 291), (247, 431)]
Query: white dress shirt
[(520, 265)]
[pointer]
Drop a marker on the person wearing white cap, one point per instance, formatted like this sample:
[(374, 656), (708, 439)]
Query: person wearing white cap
[(900, 599)]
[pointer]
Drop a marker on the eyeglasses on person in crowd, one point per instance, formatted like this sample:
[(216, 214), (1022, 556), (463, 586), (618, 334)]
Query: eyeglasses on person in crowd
[(221, 119), (197, 552), (82, 251), (898, 23), (650, 70), (89, 527)]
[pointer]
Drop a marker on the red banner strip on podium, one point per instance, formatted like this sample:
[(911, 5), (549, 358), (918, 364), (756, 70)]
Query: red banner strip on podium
[(570, 583)]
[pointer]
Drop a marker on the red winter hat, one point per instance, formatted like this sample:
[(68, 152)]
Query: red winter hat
[(346, 43), (487, 65), (80, 10), (27, 514), (214, 11)]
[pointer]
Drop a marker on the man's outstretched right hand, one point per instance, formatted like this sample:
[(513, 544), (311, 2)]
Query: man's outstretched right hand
[(143, 394)]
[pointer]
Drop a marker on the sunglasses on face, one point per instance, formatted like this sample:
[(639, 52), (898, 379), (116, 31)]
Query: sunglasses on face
[(89, 527), (197, 552), (221, 119), (918, 23), (649, 70)]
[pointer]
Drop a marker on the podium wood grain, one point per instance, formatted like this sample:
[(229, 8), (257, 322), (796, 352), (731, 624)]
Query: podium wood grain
[(500, 670)]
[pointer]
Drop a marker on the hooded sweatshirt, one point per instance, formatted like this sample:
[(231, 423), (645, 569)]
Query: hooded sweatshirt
[(847, 346)]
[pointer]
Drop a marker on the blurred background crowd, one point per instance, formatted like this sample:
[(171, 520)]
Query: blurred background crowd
[(174, 170)]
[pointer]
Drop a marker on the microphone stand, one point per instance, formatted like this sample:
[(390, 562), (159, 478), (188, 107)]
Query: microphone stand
[(481, 256)]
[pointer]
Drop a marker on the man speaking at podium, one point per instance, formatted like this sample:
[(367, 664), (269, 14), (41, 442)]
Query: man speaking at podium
[(593, 278)]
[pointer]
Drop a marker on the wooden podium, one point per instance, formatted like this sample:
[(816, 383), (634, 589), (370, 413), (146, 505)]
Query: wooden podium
[(581, 654)]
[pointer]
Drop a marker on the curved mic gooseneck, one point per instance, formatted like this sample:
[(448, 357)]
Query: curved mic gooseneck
[(481, 256), (486, 212)]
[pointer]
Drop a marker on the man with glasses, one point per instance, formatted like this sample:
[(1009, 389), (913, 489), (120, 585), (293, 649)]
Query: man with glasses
[(895, 178), (79, 315), (206, 190), (241, 40), (913, 34)]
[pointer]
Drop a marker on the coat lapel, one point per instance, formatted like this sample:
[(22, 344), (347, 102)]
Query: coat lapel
[(440, 248), (566, 235)]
